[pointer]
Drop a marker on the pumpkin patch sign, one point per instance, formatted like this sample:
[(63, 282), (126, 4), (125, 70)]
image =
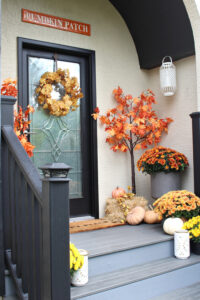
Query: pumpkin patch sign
[(41, 19)]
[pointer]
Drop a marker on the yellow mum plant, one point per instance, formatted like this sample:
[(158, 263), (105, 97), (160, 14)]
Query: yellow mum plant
[(193, 226), (178, 204), (76, 260)]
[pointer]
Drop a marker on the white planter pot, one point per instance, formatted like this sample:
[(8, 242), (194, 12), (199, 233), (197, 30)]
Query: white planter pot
[(80, 277), (162, 183)]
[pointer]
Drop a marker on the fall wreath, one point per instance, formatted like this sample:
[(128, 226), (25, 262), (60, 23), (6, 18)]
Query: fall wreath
[(69, 100)]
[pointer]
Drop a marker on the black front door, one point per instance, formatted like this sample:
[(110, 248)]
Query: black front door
[(71, 138)]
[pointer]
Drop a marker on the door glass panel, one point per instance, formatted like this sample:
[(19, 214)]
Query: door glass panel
[(57, 139)]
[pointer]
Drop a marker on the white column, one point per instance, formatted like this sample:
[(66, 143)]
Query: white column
[(193, 10)]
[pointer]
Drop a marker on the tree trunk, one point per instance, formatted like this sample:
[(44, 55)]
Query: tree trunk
[(133, 171)]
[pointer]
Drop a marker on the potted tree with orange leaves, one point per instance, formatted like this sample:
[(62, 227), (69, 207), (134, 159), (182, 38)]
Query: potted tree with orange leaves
[(132, 124)]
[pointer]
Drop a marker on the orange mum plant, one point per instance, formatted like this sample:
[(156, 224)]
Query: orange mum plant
[(9, 87), (21, 125), (161, 159), (178, 204), (132, 124)]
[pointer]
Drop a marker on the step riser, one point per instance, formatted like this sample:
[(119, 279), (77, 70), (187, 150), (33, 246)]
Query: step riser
[(191, 292), (151, 287), (116, 261)]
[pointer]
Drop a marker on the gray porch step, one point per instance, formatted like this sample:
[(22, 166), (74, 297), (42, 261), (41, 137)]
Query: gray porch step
[(141, 282), (191, 292), (110, 240), (112, 249)]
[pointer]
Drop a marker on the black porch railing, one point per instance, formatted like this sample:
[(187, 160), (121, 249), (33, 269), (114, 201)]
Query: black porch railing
[(36, 224)]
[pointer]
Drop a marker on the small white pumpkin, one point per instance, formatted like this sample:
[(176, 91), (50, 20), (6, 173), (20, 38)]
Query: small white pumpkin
[(172, 224)]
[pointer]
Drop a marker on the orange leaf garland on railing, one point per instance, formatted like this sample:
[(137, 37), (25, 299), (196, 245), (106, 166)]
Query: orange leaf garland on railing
[(21, 125), (9, 88)]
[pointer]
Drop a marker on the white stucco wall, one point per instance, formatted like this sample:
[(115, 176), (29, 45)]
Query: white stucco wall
[(178, 107), (193, 10), (116, 64)]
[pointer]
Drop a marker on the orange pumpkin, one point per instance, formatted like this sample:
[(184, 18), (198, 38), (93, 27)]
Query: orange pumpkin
[(151, 217), (118, 192)]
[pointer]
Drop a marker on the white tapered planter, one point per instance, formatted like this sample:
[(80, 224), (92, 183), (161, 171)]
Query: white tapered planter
[(80, 277), (181, 244)]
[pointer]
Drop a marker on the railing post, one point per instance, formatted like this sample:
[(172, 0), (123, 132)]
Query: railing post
[(7, 107), (55, 227), (196, 148), (7, 104)]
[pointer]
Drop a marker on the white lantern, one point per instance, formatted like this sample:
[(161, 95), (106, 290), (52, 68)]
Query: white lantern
[(181, 244), (168, 77)]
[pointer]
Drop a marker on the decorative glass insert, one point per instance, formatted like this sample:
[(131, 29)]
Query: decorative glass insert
[(57, 139)]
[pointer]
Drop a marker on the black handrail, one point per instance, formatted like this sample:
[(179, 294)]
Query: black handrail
[(24, 163), (36, 221)]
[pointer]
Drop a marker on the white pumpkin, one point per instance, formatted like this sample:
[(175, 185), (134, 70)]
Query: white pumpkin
[(172, 224)]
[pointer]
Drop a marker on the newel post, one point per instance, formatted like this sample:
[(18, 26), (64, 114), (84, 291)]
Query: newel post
[(196, 150), (7, 110), (55, 224)]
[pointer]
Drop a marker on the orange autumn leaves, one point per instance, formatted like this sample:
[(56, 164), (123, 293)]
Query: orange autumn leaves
[(9, 87), (132, 124), (21, 121), (21, 125)]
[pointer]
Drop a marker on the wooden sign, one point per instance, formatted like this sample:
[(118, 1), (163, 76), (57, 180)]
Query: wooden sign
[(41, 19)]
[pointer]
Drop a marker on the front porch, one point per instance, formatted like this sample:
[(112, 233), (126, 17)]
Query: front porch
[(127, 260)]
